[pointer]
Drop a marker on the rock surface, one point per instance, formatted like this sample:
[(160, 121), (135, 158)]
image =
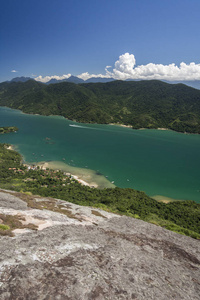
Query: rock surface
[(65, 251)]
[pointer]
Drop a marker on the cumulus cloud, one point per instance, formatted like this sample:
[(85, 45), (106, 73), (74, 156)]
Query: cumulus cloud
[(14, 71), (125, 68), (47, 78), (86, 75)]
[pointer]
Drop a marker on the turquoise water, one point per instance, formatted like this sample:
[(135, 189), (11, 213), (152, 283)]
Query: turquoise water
[(157, 162)]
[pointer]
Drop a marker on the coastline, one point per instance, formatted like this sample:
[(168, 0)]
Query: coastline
[(86, 177), (164, 199), (116, 124), (47, 165), (11, 147), (143, 128), (94, 184), (121, 125)]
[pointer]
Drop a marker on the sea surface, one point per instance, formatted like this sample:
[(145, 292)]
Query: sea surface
[(155, 161)]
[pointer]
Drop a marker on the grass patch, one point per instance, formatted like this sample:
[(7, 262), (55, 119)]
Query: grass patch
[(4, 227), (13, 222)]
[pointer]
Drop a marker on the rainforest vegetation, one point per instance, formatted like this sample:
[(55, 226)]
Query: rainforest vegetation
[(141, 104), (179, 216)]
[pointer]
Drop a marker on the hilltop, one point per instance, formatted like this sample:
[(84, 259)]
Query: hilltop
[(140, 104), (60, 250)]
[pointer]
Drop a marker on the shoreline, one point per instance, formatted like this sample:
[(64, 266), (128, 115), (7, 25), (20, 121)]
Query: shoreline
[(121, 125), (143, 128), (11, 147), (53, 165), (89, 181), (46, 165), (165, 199), (86, 177), (116, 124)]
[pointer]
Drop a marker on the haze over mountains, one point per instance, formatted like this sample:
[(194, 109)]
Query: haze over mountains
[(72, 79), (21, 79), (192, 83)]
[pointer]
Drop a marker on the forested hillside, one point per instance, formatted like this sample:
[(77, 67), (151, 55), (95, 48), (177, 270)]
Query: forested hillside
[(141, 104)]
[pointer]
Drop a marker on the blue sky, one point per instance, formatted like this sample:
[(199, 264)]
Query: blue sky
[(137, 38)]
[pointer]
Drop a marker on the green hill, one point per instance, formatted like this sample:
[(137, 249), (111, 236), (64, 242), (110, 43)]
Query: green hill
[(141, 104)]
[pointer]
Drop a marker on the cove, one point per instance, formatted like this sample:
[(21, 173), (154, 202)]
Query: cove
[(154, 161)]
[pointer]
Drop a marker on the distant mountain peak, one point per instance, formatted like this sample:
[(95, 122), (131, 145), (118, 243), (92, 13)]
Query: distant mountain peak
[(72, 79), (21, 79), (78, 80)]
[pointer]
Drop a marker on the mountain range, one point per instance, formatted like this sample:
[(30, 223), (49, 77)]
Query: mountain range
[(141, 104), (72, 78), (192, 83)]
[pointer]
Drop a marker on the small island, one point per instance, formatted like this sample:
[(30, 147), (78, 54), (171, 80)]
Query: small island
[(8, 129)]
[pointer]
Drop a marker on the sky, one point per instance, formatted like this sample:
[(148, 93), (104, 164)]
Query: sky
[(122, 39)]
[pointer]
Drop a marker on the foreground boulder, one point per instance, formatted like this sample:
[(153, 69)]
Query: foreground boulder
[(52, 249)]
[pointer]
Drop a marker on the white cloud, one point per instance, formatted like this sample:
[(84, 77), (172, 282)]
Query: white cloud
[(125, 68), (14, 71), (125, 64), (86, 76), (47, 78)]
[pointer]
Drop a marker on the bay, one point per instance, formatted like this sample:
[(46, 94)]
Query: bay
[(159, 162)]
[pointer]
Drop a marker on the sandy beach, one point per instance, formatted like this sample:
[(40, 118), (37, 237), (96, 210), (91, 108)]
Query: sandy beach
[(10, 147), (121, 125), (164, 199), (84, 176), (47, 165)]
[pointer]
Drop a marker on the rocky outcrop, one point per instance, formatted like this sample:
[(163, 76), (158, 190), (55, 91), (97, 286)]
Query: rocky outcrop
[(59, 250)]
